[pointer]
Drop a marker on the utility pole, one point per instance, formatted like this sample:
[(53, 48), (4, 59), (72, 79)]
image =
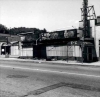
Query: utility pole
[(85, 21), (85, 25), (87, 14)]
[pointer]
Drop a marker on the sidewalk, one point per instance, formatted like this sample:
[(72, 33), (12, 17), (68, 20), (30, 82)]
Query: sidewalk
[(58, 62)]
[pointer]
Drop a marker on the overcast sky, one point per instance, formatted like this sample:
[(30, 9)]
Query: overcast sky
[(49, 14)]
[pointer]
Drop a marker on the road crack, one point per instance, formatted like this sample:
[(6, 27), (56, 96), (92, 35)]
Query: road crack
[(71, 85)]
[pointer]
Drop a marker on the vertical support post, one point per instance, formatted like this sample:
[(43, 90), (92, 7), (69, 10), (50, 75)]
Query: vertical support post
[(56, 52), (85, 21), (36, 42), (0, 48), (82, 52), (67, 53), (20, 48), (74, 53), (5, 50), (79, 52)]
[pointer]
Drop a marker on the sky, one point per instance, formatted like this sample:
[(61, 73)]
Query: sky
[(49, 14)]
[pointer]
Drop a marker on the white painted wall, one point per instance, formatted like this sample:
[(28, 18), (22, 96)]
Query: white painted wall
[(51, 51), (27, 52), (97, 39), (14, 50), (77, 51), (62, 51), (95, 35)]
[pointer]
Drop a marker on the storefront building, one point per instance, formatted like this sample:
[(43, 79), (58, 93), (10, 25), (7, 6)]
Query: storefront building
[(9, 45)]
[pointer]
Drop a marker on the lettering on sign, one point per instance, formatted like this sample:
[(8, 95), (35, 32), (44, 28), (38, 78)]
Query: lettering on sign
[(74, 43), (46, 36), (54, 35), (68, 34), (60, 34)]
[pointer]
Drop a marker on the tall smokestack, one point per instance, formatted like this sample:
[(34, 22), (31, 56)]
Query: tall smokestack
[(86, 27)]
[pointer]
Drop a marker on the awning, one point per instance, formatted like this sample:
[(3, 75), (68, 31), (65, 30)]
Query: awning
[(6, 44), (87, 44)]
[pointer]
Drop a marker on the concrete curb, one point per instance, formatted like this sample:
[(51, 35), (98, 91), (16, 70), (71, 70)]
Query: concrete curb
[(49, 62)]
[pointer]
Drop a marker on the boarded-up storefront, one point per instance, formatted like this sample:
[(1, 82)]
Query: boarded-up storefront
[(9, 45), (64, 52), (26, 52)]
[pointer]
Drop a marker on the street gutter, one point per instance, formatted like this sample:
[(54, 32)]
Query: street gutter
[(49, 62)]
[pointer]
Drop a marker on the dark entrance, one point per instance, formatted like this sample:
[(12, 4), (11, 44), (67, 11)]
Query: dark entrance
[(88, 54), (39, 51), (5, 50), (99, 52)]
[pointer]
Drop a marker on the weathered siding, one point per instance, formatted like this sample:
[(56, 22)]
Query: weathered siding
[(63, 52), (14, 50), (56, 51), (27, 52)]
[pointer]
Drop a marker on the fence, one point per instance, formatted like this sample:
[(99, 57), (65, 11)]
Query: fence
[(27, 52), (14, 51), (63, 52), (52, 52)]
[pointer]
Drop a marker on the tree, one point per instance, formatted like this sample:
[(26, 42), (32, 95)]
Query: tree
[(3, 29)]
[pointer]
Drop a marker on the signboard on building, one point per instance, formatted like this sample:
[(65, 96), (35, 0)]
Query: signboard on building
[(53, 35), (79, 33), (45, 36), (70, 33), (74, 43), (3, 39), (60, 34), (9, 38), (57, 35), (14, 38)]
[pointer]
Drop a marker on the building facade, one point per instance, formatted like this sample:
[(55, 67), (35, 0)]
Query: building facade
[(9, 45)]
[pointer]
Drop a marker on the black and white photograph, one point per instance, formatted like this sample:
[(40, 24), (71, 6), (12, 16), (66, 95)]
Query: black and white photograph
[(49, 48)]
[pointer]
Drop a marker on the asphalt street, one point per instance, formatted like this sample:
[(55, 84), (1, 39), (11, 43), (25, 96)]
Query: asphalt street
[(27, 79)]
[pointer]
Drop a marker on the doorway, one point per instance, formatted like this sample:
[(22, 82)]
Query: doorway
[(5, 50), (89, 54)]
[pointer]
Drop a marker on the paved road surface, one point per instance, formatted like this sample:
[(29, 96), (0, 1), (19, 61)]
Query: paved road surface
[(20, 79)]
